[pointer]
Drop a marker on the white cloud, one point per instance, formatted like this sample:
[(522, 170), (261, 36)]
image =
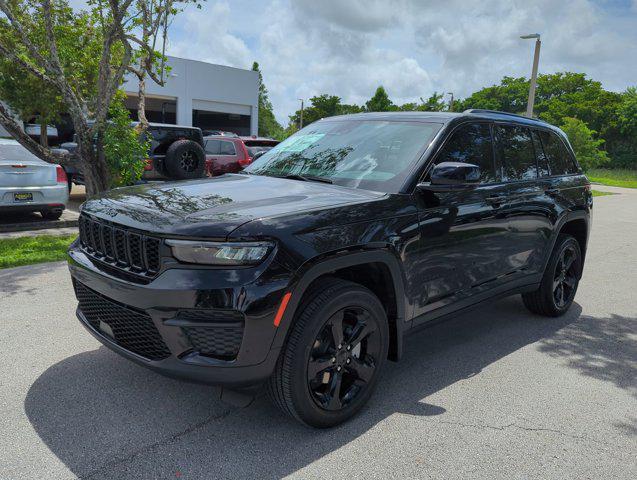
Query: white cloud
[(412, 48)]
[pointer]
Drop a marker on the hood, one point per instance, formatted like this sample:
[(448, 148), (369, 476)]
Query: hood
[(217, 206)]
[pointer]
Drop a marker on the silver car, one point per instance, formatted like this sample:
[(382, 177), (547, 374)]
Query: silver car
[(30, 184)]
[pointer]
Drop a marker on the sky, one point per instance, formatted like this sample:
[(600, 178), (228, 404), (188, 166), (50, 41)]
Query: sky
[(411, 47)]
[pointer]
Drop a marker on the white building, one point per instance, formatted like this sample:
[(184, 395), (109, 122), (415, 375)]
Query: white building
[(212, 97)]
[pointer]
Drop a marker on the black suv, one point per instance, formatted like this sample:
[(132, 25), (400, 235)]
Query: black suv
[(305, 271)]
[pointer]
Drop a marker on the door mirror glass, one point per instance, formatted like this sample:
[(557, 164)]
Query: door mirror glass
[(455, 173)]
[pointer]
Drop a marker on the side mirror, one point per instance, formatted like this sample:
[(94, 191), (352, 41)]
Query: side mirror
[(448, 176)]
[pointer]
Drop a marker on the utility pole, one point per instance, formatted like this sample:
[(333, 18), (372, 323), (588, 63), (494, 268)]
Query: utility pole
[(536, 61), (450, 101), (301, 119)]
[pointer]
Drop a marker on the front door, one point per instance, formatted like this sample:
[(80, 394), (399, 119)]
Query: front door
[(463, 234)]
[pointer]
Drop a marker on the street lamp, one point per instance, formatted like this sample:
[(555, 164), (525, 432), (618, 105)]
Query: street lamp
[(301, 119), (450, 101), (536, 60)]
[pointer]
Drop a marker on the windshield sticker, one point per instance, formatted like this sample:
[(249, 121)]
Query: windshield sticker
[(300, 142)]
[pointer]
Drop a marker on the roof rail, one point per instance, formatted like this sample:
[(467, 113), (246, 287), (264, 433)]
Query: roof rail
[(482, 110)]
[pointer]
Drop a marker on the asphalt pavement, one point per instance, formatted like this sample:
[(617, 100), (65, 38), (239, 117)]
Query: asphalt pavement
[(495, 393)]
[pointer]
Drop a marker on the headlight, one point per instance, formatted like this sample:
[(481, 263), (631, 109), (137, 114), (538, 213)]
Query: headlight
[(220, 253)]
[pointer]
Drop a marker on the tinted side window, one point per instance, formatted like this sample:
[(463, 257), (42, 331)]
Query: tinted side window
[(471, 144), (542, 161), (515, 149), (560, 160), (213, 147), (227, 148)]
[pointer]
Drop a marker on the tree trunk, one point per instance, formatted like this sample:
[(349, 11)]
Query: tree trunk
[(44, 138), (94, 169), (141, 104)]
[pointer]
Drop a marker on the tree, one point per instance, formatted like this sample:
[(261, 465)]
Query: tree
[(380, 102), (268, 126), (82, 57), (16, 90), (322, 106), (586, 146)]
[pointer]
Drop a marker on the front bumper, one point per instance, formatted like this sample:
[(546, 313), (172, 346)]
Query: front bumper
[(169, 301)]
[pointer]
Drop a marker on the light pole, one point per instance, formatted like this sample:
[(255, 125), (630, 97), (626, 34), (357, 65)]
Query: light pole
[(450, 101), (301, 119), (536, 60)]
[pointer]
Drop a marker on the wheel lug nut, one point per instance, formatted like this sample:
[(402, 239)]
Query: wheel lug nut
[(349, 347), (338, 369), (349, 360), (333, 359), (340, 346)]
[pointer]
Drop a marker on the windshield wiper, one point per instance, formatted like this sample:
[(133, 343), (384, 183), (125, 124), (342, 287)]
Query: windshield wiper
[(306, 178)]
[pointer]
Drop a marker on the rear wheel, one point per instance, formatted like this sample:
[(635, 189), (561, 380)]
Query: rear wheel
[(559, 283), (335, 352)]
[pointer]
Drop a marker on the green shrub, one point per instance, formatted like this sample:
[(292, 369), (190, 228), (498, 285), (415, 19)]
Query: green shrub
[(124, 148)]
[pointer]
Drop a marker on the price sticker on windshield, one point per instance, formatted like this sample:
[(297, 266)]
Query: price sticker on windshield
[(298, 143)]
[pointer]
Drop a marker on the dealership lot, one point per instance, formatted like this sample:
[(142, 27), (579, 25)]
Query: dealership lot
[(495, 393)]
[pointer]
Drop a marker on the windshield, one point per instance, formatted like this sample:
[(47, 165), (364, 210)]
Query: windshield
[(374, 155)]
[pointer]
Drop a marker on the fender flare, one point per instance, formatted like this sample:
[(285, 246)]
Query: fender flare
[(314, 269), (563, 220)]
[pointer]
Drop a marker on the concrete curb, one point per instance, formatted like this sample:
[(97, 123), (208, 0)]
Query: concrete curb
[(44, 225)]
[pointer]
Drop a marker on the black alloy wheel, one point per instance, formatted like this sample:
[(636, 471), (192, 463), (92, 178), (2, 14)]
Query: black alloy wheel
[(565, 277), (334, 354), (343, 358), (561, 277)]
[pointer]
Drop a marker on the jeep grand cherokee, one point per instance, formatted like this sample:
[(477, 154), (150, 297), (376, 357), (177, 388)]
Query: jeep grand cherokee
[(304, 272)]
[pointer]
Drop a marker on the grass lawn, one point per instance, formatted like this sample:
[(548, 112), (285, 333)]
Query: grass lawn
[(597, 193), (27, 250), (614, 178)]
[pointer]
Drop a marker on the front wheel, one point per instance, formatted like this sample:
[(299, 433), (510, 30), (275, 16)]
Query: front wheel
[(559, 283), (333, 357)]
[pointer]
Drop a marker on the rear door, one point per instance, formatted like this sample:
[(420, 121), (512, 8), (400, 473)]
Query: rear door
[(463, 234), (526, 209)]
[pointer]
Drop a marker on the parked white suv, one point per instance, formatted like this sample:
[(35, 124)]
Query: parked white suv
[(30, 184)]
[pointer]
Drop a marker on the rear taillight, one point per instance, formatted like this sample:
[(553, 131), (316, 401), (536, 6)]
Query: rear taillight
[(148, 164), (61, 175), (244, 162)]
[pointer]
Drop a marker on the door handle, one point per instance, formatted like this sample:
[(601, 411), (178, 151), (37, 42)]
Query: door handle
[(495, 200), (552, 191)]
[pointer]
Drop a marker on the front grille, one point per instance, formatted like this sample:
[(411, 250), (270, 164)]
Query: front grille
[(221, 339), (130, 252), (130, 328)]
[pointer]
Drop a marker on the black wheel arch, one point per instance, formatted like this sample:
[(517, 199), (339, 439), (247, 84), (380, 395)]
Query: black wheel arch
[(340, 265), (575, 223)]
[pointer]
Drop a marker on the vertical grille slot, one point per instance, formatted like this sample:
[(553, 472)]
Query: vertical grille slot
[(126, 251), (152, 254), (135, 249), (120, 247), (107, 241)]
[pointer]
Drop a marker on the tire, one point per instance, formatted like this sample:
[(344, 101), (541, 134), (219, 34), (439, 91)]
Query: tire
[(559, 283), (51, 214), (185, 160), (351, 372)]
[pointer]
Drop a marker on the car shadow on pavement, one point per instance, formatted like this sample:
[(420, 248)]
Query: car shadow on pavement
[(105, 417)]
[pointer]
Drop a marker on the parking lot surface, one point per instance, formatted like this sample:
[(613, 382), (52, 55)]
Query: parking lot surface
[(494, 393)]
